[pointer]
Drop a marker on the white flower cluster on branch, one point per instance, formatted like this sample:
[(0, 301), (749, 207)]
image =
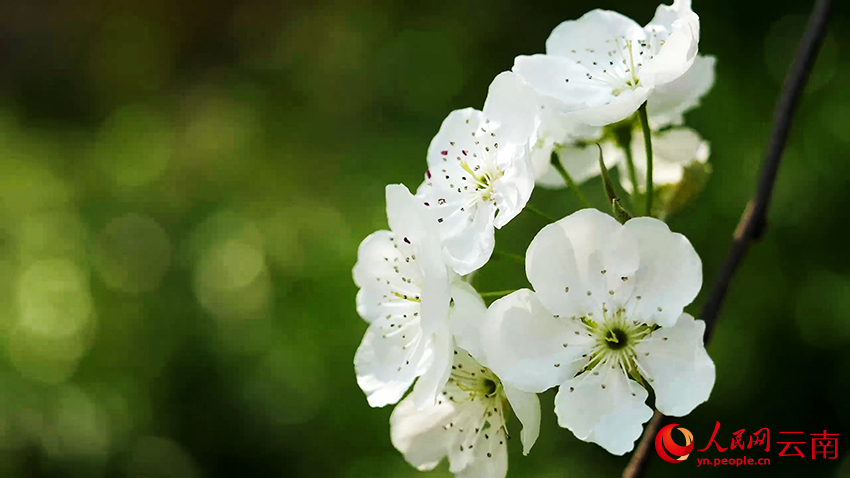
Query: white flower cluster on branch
[(605, 322)]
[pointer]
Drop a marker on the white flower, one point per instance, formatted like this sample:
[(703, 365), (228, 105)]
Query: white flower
[(405, 290), (603, 66), (467, 424), (672, 151), (479, 177), (510, 97), (672, 100), (607, 311)]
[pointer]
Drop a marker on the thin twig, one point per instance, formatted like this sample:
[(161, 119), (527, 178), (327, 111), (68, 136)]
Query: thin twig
[(508, 256), (497, 294), (643, 453), (754, 218), (647, 142), (624, 141), (539, 213), (556, 163)]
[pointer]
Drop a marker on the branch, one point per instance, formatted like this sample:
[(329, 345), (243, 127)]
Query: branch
[(754, 219)]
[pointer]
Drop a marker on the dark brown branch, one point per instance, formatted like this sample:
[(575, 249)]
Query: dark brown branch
[(754, 219), (644, 450)]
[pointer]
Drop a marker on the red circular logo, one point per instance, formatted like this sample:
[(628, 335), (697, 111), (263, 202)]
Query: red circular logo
[(664, 443)]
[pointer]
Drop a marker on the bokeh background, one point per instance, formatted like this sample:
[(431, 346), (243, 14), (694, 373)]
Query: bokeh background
[(183, 186)]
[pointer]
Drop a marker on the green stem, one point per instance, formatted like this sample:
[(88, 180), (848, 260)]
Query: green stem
[(496, 294), (539, 213), (624, 141), (647, 140), (508, 256), (556, 163)]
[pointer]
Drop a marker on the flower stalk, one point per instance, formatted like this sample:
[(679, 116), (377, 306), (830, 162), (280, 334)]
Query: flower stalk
[(647, 141), (508, 256), (496, 294), (623, 136), (537, 212), (556, 163)]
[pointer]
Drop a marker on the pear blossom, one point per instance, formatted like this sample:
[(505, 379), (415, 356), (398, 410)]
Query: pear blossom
[(405, 294), (672, 100), (672, 149), (604, 323), (510, 97), (479, 177), (602, 67), (467, 425)]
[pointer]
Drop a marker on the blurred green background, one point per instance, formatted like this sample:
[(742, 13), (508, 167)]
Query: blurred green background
[(183, 187)]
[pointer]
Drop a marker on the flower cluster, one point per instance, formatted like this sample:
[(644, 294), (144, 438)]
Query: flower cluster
[(605, 322)]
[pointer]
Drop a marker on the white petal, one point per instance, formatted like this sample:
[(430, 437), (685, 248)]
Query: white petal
[(558, 130), (594, 30), (463, 426), (471, 246), (466, 318), (385, 265), (607, 409), (457, 128), (670, 101), (512, 191), (527, 408), (434, 379), (667, 15), (473, 173), (406, 215), (494, 465), (551, 267), (373, 305), (578, 263), (670, 272), (678, 51), (419, 434), (434, 305), (512, 104), (624, 105), (547, 74), (680, 371), (587, 100), (411, 220), (563, 127), (672, 150), (488, 455), (524, 343), (416, 225), (541, 156), (480, 449), (389, 359)]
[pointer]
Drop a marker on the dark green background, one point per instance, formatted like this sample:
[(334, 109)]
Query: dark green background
[(183, 186)]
